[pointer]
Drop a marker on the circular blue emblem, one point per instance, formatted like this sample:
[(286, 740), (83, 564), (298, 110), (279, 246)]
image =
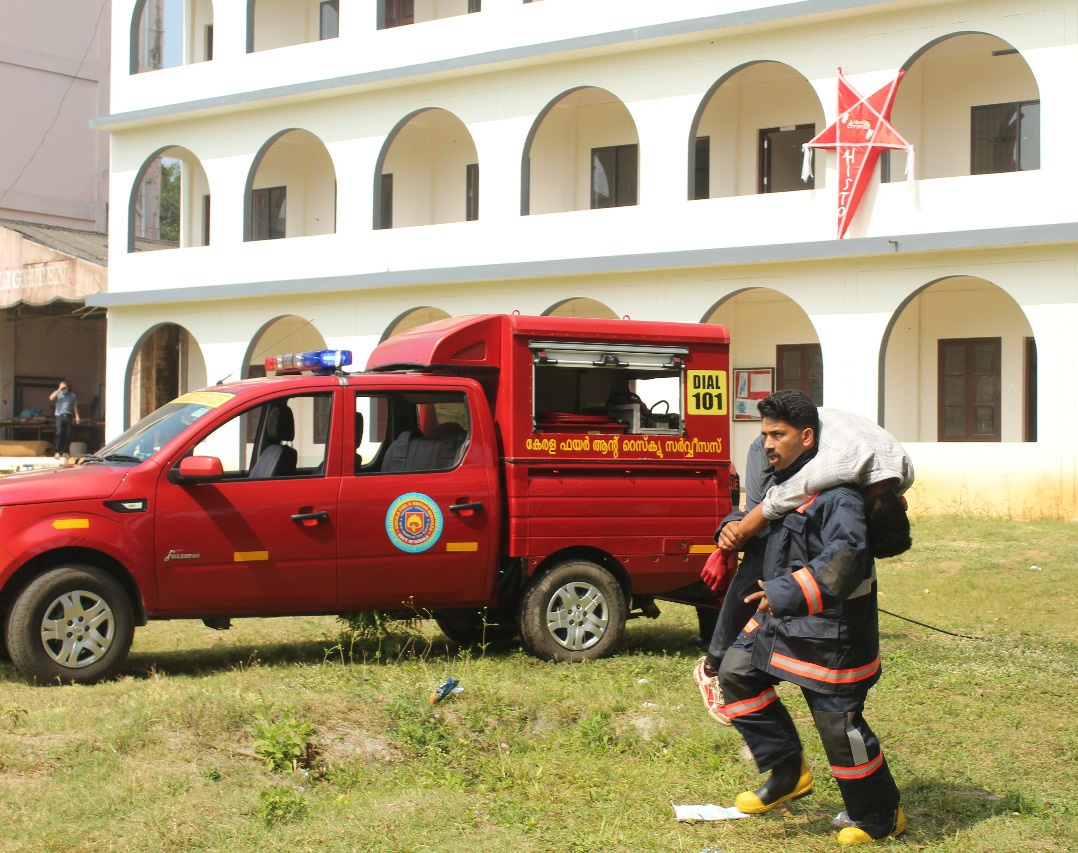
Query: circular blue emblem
[(413, 522)]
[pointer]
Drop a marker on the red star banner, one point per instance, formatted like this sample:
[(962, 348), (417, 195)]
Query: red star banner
[(861, 131)]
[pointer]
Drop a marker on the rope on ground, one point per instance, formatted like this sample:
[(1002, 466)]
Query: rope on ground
[(930, 627)]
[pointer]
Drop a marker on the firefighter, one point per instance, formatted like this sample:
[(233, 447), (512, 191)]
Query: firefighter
[(815, 626)]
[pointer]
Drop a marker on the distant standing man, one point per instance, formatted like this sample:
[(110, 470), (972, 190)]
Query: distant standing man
[(67, 414)]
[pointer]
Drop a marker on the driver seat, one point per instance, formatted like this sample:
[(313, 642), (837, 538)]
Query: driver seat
[(277, 459)]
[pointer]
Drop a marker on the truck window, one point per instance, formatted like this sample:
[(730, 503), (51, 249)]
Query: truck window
[(399, 433), (284, 437), (608, 388)]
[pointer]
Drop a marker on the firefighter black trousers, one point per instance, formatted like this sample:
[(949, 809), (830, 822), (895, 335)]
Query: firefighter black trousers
[(857, 762)]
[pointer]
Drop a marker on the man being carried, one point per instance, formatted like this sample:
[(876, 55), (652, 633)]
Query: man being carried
[(816, 626)]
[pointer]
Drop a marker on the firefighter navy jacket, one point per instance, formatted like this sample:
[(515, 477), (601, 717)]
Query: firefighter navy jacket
[(820, 582)]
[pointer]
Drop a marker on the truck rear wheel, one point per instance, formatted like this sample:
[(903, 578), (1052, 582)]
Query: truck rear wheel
[(73, 624), (574, 612)]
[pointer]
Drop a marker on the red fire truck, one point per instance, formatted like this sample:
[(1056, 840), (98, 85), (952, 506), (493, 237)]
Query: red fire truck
[(547, 476)]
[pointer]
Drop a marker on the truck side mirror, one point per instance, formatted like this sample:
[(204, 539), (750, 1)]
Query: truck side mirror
[(198, 469)]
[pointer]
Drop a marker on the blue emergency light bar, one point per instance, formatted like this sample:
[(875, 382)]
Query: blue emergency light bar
[(318, 361)]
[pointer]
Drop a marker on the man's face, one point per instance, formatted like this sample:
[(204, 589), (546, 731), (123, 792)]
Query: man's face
[(784, 443)]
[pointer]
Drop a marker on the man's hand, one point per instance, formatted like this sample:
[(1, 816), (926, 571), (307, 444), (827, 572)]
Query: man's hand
[(762, 604), (730, 538)]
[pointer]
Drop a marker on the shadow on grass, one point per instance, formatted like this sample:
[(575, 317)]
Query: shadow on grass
[(656, 637), (245, 654), (937, 810)]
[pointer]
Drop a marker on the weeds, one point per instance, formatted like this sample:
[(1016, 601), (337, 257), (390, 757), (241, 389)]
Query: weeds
[(282, 804), (284, 744)]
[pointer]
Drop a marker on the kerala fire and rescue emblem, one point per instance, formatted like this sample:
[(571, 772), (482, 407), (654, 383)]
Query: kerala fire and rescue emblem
[(413, 522)]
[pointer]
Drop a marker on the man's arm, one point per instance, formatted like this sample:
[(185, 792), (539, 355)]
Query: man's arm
[(837, 571), (738, 528)]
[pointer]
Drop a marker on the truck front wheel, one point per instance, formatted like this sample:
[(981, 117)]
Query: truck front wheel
[(72, 624), (574, 612)]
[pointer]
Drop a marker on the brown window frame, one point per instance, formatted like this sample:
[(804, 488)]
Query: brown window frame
[(1029, 398), (265, 200), (397, 13), (803, 381), (701, 178), (206, 219), (471, 192), (385, 201), (765, 147), (969, 380), (624, 183), (992, 150)]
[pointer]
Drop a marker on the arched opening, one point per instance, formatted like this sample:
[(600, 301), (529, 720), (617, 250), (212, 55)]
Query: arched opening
[(401, 13), (959, 364), (427, 172), (165, 363), (170, 33), (581, 306), (291, 189), (747, 134), (773, 345), (281, 335), (582, 152), (280, 23), (413, 318), (970, 105), (170, 203)]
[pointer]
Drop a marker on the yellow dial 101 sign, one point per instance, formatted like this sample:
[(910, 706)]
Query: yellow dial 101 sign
[(706, 392)]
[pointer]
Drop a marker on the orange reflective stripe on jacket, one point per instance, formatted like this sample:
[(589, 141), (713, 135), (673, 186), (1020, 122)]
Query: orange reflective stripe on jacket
[(810, 589), (822, 673)]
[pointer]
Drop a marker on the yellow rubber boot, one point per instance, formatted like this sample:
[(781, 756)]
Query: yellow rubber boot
[(863, 834), (788, 781)]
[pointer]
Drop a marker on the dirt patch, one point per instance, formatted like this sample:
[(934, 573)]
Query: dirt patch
[(345, 744)]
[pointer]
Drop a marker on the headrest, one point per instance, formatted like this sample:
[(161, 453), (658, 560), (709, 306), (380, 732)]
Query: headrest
[(282, 424)]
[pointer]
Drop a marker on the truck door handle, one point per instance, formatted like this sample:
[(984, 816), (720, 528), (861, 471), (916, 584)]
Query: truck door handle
[(466, 507), (310, 516)]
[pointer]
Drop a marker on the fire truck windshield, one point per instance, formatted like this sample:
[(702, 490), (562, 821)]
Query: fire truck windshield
[(158, 428)]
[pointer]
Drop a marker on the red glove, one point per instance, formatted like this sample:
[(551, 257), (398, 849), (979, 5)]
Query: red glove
[(719, 569)]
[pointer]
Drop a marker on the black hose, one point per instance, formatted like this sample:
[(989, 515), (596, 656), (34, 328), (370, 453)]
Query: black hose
[(930, 627)]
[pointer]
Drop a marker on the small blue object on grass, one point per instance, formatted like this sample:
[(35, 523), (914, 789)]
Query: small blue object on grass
[(450, 685)]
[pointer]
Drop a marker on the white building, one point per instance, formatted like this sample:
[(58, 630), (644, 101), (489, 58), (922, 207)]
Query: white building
[(636, 158)]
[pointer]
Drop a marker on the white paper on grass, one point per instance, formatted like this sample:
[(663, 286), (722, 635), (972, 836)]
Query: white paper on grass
[(708, 812)]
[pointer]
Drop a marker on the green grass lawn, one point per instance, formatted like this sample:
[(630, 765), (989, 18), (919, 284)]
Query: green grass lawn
[(980, 731)]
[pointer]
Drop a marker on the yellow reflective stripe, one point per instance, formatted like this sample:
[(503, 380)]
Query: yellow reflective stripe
[(71, 524), (461, 546), (703, 549), (250, 556)]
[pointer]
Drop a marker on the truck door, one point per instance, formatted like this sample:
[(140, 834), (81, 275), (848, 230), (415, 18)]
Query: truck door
[(262, 538), (419, 513)]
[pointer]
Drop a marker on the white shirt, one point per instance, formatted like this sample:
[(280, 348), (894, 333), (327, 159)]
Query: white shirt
[(852, 449)]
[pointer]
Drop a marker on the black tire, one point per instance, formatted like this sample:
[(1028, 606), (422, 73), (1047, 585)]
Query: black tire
[(574, 612), (472, 627), (73, 624), (5, 657)]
